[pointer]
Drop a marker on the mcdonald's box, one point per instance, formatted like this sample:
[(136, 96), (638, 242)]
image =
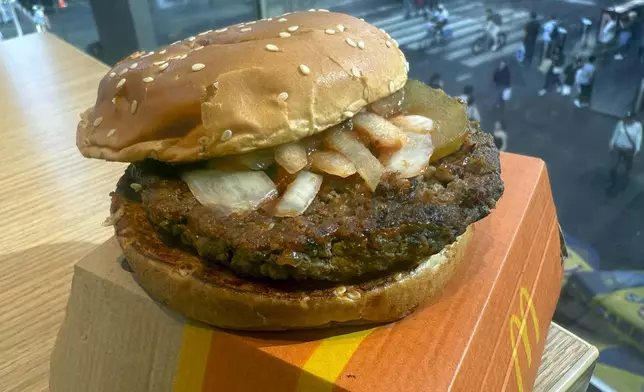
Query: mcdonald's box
[(485, 332)]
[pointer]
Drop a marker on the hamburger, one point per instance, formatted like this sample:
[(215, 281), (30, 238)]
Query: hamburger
[(285, 174)]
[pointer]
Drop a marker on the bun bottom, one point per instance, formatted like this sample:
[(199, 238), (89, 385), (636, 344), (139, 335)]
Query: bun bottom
[(215, 296)]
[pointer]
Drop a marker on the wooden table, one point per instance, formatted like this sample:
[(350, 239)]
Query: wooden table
[(53, 201)]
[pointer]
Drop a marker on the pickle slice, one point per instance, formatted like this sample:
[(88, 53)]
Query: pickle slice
[(451, 125)]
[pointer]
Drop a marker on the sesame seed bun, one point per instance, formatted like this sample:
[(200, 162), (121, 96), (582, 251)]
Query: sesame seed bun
[(241, 88), (214, 295)]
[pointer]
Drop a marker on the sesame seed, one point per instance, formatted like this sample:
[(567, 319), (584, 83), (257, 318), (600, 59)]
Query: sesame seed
[(216, 85), (362, 19), (98, 121), (391, 86), (304, 69), (150, 54), (203, 33), (383, 30), (174, 43), (395, 42), (407, 65), (123, 71), (347, 114), (133, 65), (177, 57), (293, 28), (351, 42), (120, 83), (282, 97), (312, 10), (198, 67), (148, 79), (163, 66), (112, 74), (226, 135), (163, 51), (251, 22), (341, 28), (272, 48), (356, 72), (221, 30), (361, 44), (388, 43), (398, 276), (192, 39), (183, 56), (329, 31), (387, 35), (323, 10), (282, 20), (198, 48), (134, 106), (340, 290), (284, 34), (353, 295), (268, 19), (158, 62), (114, 100), (111, 132), (246, 29)]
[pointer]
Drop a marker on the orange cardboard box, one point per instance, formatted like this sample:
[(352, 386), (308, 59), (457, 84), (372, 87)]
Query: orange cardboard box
[(485, 332)]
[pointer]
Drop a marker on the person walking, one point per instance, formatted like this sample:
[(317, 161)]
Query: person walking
[(531, 31), (502, 82), (625, 35), (500, 136), (584, 78), (472, 108), (553, 74), (549, 30), (624, 145), (569, 76), (40, 19)]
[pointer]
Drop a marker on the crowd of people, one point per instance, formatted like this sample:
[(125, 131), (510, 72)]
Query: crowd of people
[(572, 75)]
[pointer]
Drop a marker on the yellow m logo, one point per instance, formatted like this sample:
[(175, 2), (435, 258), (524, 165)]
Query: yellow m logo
[(519, 324)]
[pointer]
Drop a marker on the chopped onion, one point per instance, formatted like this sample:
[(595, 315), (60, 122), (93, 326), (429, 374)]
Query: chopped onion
[(411, 160), (369, 168), (333, 163), (257, 160), (299, 195), (292, 157), (382, 132), (413, 123), (230, 192)]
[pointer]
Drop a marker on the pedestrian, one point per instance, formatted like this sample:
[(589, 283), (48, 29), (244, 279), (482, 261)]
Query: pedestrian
[(624, 145), (40, 19), (502, 82), (531, 31), (553, 74), (472, 108), (500, 136), (409, 7), (584, 78), (569, 76), (626, 33), (607, 30), (549, 29), (435, 81)]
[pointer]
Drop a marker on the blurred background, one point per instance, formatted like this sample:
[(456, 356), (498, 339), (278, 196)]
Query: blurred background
[(562, 80)]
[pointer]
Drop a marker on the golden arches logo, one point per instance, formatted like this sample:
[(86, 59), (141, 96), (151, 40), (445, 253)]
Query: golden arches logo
[(520, 323)]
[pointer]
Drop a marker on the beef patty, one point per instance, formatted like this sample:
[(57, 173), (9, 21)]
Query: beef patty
[(347, 234)]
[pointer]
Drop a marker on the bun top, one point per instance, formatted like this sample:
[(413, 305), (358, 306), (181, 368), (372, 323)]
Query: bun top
[(249, 86)]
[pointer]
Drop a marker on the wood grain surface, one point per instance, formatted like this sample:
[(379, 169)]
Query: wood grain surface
[(53, 201)]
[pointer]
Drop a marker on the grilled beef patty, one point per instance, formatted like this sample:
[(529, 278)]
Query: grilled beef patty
[(347, 233)]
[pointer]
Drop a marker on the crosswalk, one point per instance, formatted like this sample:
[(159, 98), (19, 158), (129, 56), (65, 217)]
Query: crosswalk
[(467, 21)]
